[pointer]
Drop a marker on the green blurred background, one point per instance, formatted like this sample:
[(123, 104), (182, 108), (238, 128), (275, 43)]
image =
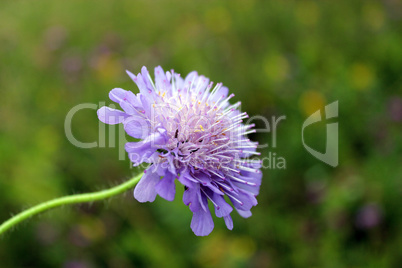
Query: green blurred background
[(279, 58)]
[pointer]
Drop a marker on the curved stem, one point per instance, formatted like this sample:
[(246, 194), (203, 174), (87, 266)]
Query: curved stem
[(72, 199)]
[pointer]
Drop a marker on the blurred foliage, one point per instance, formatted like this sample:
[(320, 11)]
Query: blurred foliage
[(279, 58)]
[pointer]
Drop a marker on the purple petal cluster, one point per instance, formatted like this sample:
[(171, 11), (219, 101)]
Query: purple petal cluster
[(188, 131)]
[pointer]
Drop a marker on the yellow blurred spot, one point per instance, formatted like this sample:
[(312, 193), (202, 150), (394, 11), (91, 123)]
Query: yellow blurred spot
[(307, 12), (276, 68), (108, 68), (311, 101), (225, 251), (242, 247), (373, 15), (361, 76), (92, 228), (218, 19)]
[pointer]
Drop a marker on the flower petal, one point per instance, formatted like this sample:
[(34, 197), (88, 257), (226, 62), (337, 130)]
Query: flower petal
[(127, 107), (191, 198), (223, 209), (149, 144), (202, 198), (253, 189), (166, 187), (136, 127), (228, 222), (145, 190), (202, 223), (161, 81), (248, 200), (117, 94), (133, 99), (145, 76), (254, 181), (111, 116), (144, 90), (179, 82), (142, 86), (138, 158), (192, 75), (185, 178), (200, 84), (146, 105), (220, 94), (243, 213)]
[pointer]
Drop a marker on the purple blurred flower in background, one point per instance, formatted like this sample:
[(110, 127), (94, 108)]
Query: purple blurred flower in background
[(190, 132), (368, 216), (395, 109)]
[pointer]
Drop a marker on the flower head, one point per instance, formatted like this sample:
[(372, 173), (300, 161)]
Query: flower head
[(189, 131)]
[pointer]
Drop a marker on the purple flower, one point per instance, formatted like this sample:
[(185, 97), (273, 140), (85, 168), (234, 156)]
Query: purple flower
[(189, 131)]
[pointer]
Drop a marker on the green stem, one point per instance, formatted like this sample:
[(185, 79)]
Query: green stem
[(67, 200)]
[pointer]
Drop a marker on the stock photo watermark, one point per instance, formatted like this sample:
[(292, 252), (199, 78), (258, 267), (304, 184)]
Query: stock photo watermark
[(331, 149), (141, 128)]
